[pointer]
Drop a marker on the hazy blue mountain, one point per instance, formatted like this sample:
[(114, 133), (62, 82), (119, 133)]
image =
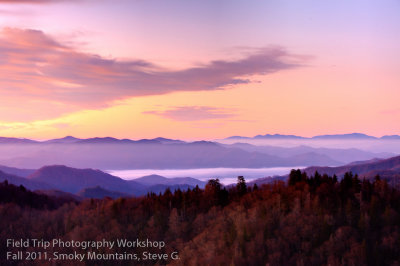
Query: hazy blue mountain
[(16, 171), (167, 141), (161, 153), (345, 136), (73, 180), (151, 180), (306, 155), (106, 140), (98, 193), (268, 136), (391, 137), (133, 155), (332, 136), (278, 136), (5, 140), (17, 180), (97, 184), (312, 158), (67, 139)]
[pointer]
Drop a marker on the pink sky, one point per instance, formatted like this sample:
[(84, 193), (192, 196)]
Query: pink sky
[(198, 69)]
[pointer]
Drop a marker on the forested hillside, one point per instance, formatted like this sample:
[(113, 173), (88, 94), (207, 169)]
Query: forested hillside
[(310, 220)]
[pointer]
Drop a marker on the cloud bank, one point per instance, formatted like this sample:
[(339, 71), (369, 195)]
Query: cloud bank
[(37, 68)]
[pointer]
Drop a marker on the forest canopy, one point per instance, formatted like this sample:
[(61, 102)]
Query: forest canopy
[(310, 220)]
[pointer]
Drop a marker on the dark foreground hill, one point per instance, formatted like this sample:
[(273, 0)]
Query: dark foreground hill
[(312, 220), (23, 197)]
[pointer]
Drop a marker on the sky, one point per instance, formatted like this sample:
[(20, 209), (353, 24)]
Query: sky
[(198, 69)]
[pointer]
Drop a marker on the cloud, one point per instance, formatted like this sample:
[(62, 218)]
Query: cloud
[(193, 113), (40, 70)]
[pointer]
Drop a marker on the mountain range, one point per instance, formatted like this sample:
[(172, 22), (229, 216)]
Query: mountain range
[(162, 153), (60, 180), (313, 156), (334, 136), (71, 139)]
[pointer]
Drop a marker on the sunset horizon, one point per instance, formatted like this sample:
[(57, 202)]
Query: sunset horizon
[(199, 132), (135, 69)]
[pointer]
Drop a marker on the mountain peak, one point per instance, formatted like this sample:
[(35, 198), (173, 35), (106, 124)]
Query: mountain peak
[(66, 139), (388, 137), (345, 136), (277, 136)]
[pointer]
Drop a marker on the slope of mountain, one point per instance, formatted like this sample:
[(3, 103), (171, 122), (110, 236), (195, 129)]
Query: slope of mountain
[(55, 193), (313, 158), (5, 140), (16, 171), (67, 139), (165, 140), (106, 140), (151, 180), (73, 180), (373, 160), (17, 180), (391, 137), (99, 193), (387, 167)]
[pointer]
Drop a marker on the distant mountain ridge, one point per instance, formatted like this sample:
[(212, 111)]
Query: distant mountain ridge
[(307, 155), (5, 140), (108, 153), (71, 139), (331, 136)]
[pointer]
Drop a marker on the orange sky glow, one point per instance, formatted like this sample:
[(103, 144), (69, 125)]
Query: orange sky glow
[(198, 70)]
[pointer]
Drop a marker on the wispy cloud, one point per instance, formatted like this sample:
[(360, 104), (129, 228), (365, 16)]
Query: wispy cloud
[(38, 68), (193, 113)]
